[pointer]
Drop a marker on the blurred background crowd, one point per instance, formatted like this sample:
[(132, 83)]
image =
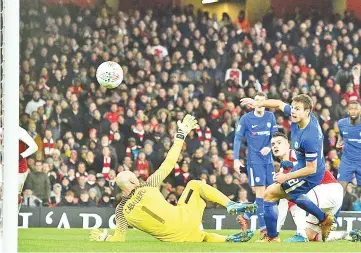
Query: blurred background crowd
[(175, 61)]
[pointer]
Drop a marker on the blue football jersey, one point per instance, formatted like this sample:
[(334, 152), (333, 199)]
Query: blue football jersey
[(351, 135), (308, 145), (258, 132)]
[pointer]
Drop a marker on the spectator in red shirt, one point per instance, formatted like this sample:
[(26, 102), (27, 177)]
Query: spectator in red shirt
[(114, 113)]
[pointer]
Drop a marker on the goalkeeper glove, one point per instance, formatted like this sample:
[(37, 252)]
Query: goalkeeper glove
[(99, 236), (188, 124)]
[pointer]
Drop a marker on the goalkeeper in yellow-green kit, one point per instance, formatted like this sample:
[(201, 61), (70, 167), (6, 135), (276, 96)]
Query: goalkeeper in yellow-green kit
[(144, 207)]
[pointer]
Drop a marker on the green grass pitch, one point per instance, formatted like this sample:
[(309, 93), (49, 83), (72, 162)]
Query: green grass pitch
[(76, 240)]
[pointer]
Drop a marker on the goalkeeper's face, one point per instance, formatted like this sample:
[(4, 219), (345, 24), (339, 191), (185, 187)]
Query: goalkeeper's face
[(127, 181)]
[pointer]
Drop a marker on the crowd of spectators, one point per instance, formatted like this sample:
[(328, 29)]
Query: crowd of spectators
[(175, 61)]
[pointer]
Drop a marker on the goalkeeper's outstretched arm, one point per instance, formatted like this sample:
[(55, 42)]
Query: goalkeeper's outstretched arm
[(121, 224), (120, 230), (188, 124)]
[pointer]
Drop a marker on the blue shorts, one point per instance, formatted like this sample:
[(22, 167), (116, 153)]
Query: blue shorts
[(260, 174), (298, 186), (347, 170)]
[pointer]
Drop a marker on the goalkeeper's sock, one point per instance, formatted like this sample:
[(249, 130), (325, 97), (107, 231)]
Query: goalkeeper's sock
[(213, 237), (270, 218), (210, 193), (260, 213)]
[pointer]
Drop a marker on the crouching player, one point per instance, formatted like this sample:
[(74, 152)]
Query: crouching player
[(328, 196), (144, 207)]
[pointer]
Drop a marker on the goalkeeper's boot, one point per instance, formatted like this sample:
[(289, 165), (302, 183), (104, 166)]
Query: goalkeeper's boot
[(355, 235), (326, 226), (243, 236), (266, 238), (297, 238), (234, 208)]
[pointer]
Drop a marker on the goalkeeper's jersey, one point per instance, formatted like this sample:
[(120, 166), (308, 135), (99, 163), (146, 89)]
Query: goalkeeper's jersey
[(147, 210)]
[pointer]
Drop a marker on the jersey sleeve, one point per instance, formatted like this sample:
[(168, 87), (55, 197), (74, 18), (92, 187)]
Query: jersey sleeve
[(240, 132), (311, 146), (274, 127), (121, 224), (29, 141), (287, 109), (167, 166)]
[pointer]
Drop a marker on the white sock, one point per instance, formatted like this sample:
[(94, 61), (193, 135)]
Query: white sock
[(299, 217), (282, 213), (336, 235)]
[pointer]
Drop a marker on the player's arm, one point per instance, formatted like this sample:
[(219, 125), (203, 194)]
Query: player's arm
[(274, 128), (26, 138), (240, 132), (310, 146), (188, 124), (120, 230), (268, 103), (339, 143)]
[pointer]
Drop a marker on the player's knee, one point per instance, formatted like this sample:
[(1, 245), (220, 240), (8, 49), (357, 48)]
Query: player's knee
[(270, 195)]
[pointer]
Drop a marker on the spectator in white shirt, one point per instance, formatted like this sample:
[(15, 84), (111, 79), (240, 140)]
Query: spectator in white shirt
[(34, 104)]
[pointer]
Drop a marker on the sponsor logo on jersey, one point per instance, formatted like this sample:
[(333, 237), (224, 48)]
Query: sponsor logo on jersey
[(261, 133), (268, 124), (253, 126)]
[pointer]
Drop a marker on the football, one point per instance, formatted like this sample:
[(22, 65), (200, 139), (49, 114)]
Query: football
[(109, 74)]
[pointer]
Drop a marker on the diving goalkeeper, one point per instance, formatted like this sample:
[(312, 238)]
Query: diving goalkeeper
[(144, 207)]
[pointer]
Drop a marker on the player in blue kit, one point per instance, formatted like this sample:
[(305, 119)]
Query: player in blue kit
[(307, 141), (349, 139), (257, 126)]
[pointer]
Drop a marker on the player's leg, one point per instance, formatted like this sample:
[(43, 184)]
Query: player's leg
[(272, 195), (203, 191), (345, 173), (282, 213), (299, 217), (358, 175), (196, 189), (21, 182), (329, 198), (257, 174), (297, 189), (243, 236), (194, 196)]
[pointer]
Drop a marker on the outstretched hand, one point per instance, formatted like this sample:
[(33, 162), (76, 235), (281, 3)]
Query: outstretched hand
[(248, 102), (188, 124), (99, 235)]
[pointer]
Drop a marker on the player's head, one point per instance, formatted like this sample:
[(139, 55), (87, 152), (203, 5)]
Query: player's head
[(279, 144), (127, 181), (260, 96), (354, 110), (302, 106)]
